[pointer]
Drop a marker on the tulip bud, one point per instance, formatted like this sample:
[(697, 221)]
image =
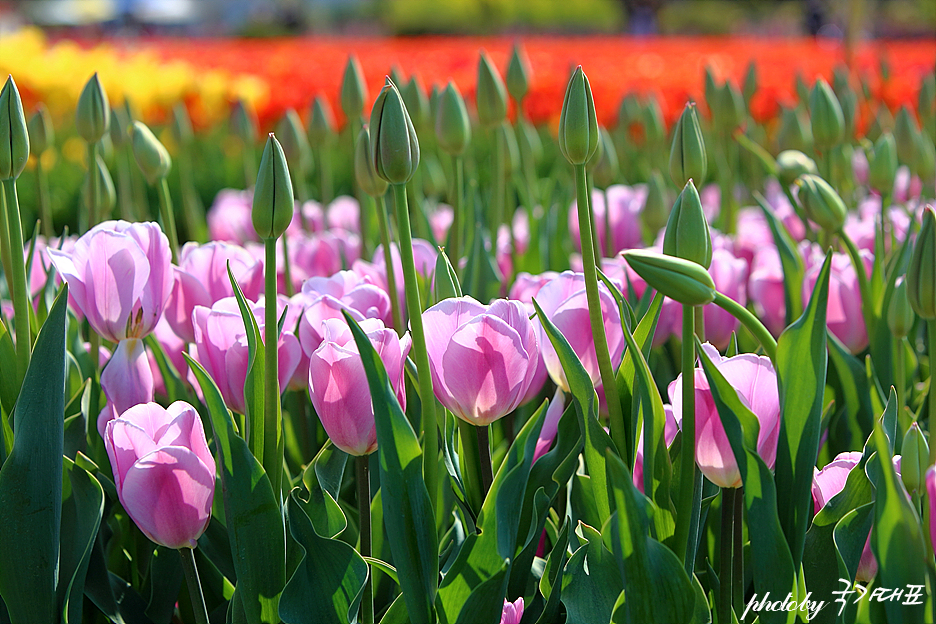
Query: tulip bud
[(900, 315), (749, 88), (820, 202), (529, 142), (394, 146), (511, 161), (925, 166), (14, 138), (294, 142), (434, 96), (849, 102), (93, 114), (182, 132), (452, 127), (687, 232), (882, 122), (681, 280), (491, 95), (914, 458), (802, 89), (107, 194), (883, 166), (921, 274), (414, 96), (629, 111), (353, 89), (119, 129), (518, 74), (828, 121), (321, 123), (710, 90), (905, 131), (578, 124), (244, 122), (273, 200), (41, 133), (729, 109), (926, 99), (606, 165), (151, 156), (364, 172), (655, 212), (654, 126), (791, 164), (687, 155)]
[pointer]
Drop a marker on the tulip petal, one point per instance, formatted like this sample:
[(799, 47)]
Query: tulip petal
[(127, 380)]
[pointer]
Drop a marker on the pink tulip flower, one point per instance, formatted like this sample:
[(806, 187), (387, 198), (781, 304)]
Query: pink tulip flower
[(623, 217), (482, 358), (338, 384), (669, 434), (229, 217), (765, 288), (163, 471), (512, 612), (755, 380), (843, 313), (730, 276), (440, 220), (308, 217), (344, 213)]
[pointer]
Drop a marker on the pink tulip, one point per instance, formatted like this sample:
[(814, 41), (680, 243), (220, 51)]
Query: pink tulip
[(338, 384), (482, 358), (440, 220), (309, 214), (671, 426), (755, 380), (766, 290), (127, 380), (513, 612), (221, 348), (623, 217), (229, 217), (344, 213), (730, 276), (163, 471), (843, 312)]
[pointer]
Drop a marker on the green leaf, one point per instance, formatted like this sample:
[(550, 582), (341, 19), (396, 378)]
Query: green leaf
[(322, 478), (849, 378), (251, 509), (591, 582), (397, 613), (176, 389), (329, 582), (10, 379), (550, 585), (82, 509), (446, 280), (481, 277), (408, 513), (31, 480)]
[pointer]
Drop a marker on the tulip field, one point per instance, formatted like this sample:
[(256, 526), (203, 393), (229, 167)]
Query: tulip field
[(621, 331)]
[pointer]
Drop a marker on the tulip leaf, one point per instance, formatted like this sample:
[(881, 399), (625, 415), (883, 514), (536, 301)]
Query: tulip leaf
[(31, 480), (550, 583), (801, 371), (408, 515), (322, 478), (445, 279), (328, 584), (481, 278), (591, 581), (172, 380), (790, 260), (397, 613), (251, 509), (10, 380), (850, 535), (848, 376), (82, 509)]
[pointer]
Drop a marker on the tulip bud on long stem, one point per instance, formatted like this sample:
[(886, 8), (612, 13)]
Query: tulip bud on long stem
[(194, 585), (364, 502)]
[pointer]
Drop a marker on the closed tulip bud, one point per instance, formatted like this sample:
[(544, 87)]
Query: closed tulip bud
[(394, 146), (914, 458), (687, 232), (119, 129), (629, 111), (900, 315), (882, 122), (578, 124), (491, 94), (821, 203), (244, 122), (654, 126), (273, 200), (828, 121), (749, 88), (926, 99), (802, 89), (606, 165), (849, 101), (905, 131), (729, 110), (925, 165), (14, 138), (107, 194), (353, 89), (434, 96), (518, 74), (710, 89), (791, 164), (294, 141), (921, 274), (321, 123), (41, 132), (414, 96), (681, 280), (794, 133), (93, 114), (655, 212), (687, 155), (452, 126), (150, 154), (364, 171), (182, 132), (883, 166)]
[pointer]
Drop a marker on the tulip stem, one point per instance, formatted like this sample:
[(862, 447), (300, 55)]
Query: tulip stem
[(42, 193), (414, 306), (487, 470), (725, 559), (750, 321), (364, 501), (168, 217), (250, 164), (470, 457), (500, 181), (287, 273), (900, 371), (454, 237), (687, 512), (616, 415), (384, 225), (271, 435), (5, 257), (19, 292), (92, 185), (194, 585)]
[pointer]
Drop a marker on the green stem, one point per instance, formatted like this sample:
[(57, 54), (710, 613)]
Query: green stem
[(383, 223), (19, 292), (194, 585), (616, 415), (596, 243), (414, 306), (454, 238), (325, 187), (271, 396), (751, 322), (737, 573), (42, 193), (193, 213), (864, 288), (699, 312), (609, 239), (128, 208), (500, 181), (5, 256), (287, 272), (725, 560), (687, 466), (900, 374), (168, 217), (487, 470), (471, 463), (354, 125), (93, 215), (364, 502)]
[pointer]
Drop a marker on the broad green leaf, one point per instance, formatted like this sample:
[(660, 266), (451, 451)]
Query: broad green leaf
[(445, 284), (397, 613), (163, 582), (850, 536), (591, 582), (550, 583), (251, 510), (322, 478), (408, 515), (847, 376), (10, 379), (82, 508), (31, 480)]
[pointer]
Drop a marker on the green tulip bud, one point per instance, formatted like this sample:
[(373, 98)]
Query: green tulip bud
[(681, 280), (243, 122), (321, 123), (900, 315), (882, 166), (364, 171), (656, 208), (119, 129), (905, 131), (394, 146), (883, 121), (849, 102), (491, 94), (840, 80), (93, 114), (687, 155), (926, 101), (41, 133), (802, 89), (578, 124), (181, 128), (749, 87), (434, 97), (14, 137), (150, 154), (687, 233), (294, 142), (921, 274), (828, 121), (914, 460), (452, 127), (629, 111), (273, 201), (654, 126), (606, 167), (791, 164), (414, 96), (729, 109), (794, 133), (107, 194), (353, 89), (820, 202), (511, 161), (518, 74), (925, 165)]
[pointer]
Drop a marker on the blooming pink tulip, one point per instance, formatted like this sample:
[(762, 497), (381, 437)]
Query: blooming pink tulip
[(482, 358), (229, 217), (843, 312), (755, 380), (730, 276), (338, 384), (163, 470), (307, 217), (512, 612), (623, 217), (765, 288), (344, 213)]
